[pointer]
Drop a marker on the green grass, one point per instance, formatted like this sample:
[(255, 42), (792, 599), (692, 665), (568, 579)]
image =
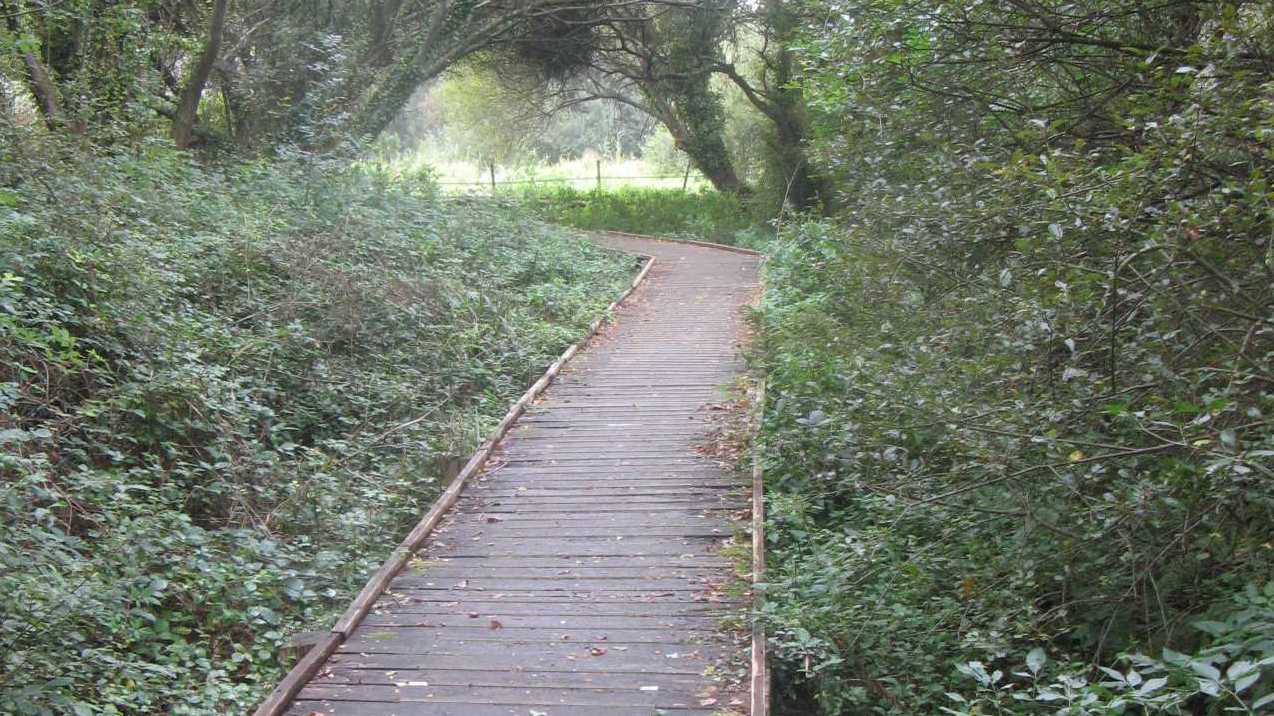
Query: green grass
[(705, 215), (226, 392)]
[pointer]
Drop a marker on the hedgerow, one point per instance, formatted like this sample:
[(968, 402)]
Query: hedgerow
[(225, 392)]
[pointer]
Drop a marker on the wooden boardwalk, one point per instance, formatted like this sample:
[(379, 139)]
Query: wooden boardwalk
[(580, 574)]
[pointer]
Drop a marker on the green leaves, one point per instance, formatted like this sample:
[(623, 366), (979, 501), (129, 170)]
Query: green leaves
[(1035, 660), (1022, 330)]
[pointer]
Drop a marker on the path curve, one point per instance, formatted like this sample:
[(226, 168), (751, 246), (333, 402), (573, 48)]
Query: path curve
[(580, 574)]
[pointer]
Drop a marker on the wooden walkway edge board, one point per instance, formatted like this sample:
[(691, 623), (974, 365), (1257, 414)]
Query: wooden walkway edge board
[(760, 681), (279, 699)]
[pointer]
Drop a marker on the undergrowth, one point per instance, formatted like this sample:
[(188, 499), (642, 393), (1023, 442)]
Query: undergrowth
[(1021, 456), (983, 501), (225, 392)]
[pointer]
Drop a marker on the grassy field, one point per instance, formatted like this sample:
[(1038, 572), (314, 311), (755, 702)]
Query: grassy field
[(458, 177)]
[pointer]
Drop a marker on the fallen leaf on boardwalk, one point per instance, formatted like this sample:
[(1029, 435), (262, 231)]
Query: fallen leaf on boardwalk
[(707, 702), (474, 615), (492, 518), (597, 651), (495, 624)]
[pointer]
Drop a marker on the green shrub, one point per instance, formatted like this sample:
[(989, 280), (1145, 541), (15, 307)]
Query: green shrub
[(225, 392)]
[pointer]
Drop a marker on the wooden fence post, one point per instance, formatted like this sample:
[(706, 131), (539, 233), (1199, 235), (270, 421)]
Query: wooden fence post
[(599, 175)]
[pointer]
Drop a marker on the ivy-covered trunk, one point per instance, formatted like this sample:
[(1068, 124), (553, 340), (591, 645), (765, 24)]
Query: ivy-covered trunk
[(693, 116)]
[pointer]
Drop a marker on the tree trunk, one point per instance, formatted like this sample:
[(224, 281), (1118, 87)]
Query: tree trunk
[(34, 73), (803, 189), (784, 105), (696, 130), (708, 152), (383, 15), (42, 88), (183, 129)]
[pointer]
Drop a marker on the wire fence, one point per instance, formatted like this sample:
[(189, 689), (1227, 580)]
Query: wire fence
[(553, 180), (491, 182)]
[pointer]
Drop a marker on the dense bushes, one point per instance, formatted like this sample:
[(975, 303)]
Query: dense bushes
[(953, 478), (1019, 438), (224, 392)]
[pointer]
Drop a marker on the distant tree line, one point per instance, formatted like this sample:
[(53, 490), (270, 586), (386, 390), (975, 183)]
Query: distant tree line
[(253, 74)]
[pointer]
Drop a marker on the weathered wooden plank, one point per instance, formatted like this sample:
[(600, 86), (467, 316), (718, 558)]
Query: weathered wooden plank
[(604, 473), (345, 708), (616, 522), (525, 529), (531, 696), (561, 583), (711, 497), (464, 622), (632, 658), (616, 489), (558, 608), (594, 548), (339, 672), (436, 639), (459, 570), (559, 562)]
